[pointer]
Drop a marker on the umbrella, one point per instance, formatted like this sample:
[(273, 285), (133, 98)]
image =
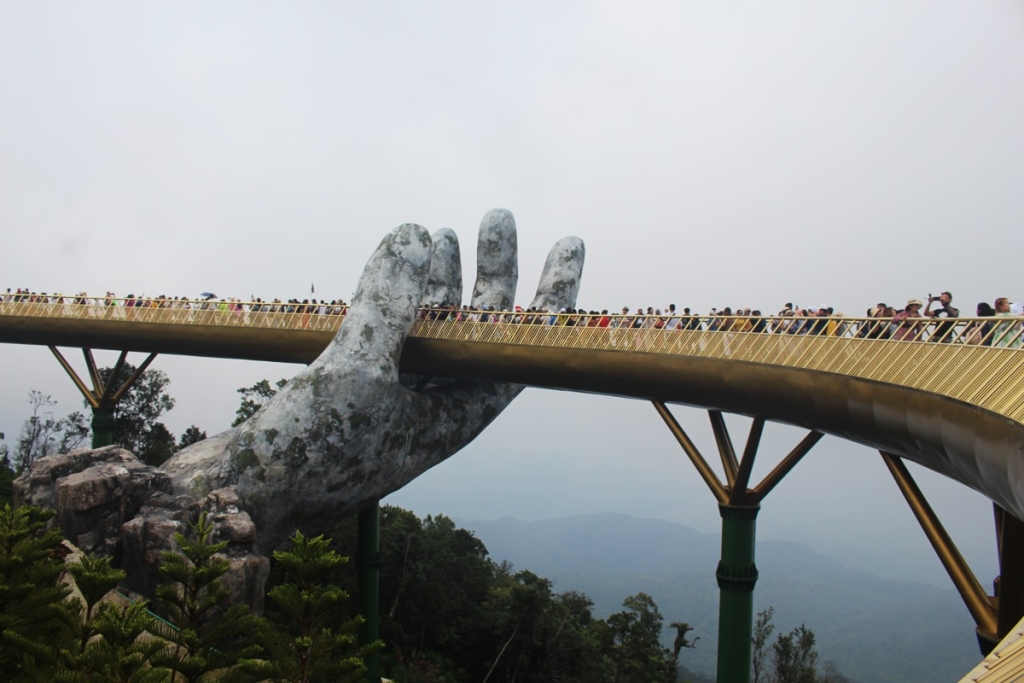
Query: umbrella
[(208, 295)]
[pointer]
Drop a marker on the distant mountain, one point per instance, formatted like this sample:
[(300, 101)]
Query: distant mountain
[(876, 630)]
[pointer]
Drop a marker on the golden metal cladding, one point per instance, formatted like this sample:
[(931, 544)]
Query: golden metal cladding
[(952, 406)]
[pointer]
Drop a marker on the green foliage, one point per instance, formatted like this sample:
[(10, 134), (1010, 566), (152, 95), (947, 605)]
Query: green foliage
[(305, 639), (124, 650), (207, 635), (541, 636), (637, 654), (763, 629), (104, 641), (254, 398), (32, 615), (6, 475), (137, 414), (451, 615), (94, 578), (42, 434), (792, 658), (190, 436), (795, 657)]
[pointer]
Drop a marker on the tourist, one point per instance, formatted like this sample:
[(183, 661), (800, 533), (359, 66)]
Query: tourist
[(944, 330), (908, 331)]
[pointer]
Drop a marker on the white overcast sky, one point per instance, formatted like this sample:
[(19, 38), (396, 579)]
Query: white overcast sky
[(709, 153)]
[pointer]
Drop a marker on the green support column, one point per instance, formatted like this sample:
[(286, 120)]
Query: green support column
[(102, 427), (737, 575), (368, 571)]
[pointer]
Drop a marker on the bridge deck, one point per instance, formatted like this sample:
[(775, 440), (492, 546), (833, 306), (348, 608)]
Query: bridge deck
[(955, 407)]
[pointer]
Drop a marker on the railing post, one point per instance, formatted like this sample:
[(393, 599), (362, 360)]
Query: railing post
[(736, 575), (368, 583)]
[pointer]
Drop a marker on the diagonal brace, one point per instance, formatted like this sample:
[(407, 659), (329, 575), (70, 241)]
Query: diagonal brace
[(108, 390), (90, 397), (131, 380), (738, 494), (725, 447), (705, 471), (783, 468), (974, 596)]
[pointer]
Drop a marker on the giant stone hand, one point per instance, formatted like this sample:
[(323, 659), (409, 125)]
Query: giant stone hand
[(345, 431)]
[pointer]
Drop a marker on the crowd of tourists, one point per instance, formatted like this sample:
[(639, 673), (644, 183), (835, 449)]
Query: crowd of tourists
[(201, 303), (931, 320), (916, 321)]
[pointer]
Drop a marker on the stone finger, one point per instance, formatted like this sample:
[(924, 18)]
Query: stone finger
[(497, 261), (560, 281), (444, 283)]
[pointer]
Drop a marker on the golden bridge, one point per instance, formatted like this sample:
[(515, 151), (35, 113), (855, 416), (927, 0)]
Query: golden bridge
[(947, 395)]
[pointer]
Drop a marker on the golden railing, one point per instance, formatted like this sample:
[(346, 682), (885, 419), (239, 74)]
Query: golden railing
[(975, 360), (197, 312)]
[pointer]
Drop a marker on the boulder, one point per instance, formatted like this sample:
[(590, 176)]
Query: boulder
[(110, 503), (93, 491), (152, 533)]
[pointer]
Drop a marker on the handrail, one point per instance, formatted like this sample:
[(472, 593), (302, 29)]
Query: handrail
[(999, 331)]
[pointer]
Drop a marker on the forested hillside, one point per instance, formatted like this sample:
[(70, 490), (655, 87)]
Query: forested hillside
[(874, 629)]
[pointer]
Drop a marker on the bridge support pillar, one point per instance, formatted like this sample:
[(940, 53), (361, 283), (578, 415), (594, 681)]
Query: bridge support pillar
[(103, 396), (102, 426), (736, 576), (368, 584), (738, 505)]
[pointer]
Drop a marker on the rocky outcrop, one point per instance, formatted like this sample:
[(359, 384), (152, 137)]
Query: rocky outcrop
[(94, 492), (110, 503)]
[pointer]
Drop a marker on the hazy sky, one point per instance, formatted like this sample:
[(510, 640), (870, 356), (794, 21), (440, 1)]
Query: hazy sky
[(709, 153)]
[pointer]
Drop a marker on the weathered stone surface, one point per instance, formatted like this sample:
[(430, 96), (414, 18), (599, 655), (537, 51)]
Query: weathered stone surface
[(497, 262), (151, 534), (110, 503), (94, 492), (147, 537), (344, 432), (560, 280), (444, 282), (246, 579)]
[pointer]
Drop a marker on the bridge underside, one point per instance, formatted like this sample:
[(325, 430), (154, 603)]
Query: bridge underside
[(978, 448)]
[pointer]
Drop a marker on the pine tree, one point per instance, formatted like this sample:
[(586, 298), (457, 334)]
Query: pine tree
[(124, 650), (304, 640), (32, 611), (104, 642), (94, 578), (6, 476), (209, 639)]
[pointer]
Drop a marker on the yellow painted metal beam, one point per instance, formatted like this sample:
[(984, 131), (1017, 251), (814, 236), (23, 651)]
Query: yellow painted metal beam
[(978, 603), (783, 468), (705, 471), (108, 389), (94, 374), (86, 392), (131, 380), (725, 448), (738, 494)]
